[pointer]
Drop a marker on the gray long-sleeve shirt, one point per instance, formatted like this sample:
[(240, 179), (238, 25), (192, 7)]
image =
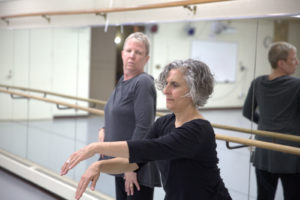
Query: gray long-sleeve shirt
[(129, 114), (278, 103)]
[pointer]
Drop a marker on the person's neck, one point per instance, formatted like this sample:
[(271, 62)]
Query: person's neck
[(276, 74), (187, 115), (128, 76)]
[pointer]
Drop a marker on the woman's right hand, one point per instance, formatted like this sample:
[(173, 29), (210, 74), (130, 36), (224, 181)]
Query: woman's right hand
[(101, 135), (82, 154), (91, 175)]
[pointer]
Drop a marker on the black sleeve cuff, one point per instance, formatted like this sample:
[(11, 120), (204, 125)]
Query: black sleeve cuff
[(140, 166)]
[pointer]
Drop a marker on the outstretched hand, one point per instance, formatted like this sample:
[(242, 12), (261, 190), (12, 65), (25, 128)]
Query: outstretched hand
[(91, 175), (82, 154)]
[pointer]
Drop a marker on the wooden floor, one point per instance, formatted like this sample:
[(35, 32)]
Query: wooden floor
[(13, 187)]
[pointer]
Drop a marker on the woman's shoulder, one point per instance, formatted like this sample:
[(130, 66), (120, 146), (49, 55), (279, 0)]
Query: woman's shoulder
[(290, 82), (144, 80), (197, 126), (145, 77), (165, 119), (198, 122), (260, 78), (294, 80), (167, 116)]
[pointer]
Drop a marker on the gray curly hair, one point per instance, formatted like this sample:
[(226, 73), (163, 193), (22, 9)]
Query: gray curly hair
[(197, 75)]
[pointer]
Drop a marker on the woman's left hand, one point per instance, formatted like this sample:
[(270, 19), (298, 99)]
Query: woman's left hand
[(130, 182), (82, 154), (91, 175)]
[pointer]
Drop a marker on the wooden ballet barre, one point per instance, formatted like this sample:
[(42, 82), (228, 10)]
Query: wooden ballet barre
[(113, 10), (249, 142), (95, 101), (90, 110), (288, 137), (261, 144)]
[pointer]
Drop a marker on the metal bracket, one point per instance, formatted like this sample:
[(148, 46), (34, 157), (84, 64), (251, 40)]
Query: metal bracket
[(193, 9), (47, 18), (93, 105), (17, 97), (5, 20), (104, 15), (234, 147), (62, 108)]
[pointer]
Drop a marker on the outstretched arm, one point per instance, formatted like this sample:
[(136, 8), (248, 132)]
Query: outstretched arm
[(116, 149), (112, 166)]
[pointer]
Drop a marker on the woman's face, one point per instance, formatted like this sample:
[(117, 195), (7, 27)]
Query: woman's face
[(175, 90), (134, 56), (291, 63)]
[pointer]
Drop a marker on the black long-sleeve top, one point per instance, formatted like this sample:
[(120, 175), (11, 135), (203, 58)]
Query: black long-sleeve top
[(186, 157)]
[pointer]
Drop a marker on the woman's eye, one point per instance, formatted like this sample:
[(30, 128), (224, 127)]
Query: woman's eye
[(174, 84)]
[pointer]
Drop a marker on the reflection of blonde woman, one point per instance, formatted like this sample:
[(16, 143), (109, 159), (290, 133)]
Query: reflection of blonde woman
[(273, 102), (182, 143), (129, 113)]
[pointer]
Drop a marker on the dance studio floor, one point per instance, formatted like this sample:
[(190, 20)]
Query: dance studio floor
[(49, 142)]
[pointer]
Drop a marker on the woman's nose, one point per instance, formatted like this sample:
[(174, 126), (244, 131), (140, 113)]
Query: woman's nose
[(132, 54), (166, 90)]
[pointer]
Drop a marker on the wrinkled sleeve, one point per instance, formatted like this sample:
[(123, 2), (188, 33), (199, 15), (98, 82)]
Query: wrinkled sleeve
[(183, 142), (144, 108), (250, 105)]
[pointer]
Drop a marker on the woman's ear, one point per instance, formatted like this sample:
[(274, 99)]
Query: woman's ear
[(280, 63)]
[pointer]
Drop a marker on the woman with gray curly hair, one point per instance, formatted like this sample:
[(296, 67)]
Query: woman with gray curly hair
[(182, 143), (197, 75)]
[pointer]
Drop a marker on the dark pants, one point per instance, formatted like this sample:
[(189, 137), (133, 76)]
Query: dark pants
[(267, 184), (145, 193)]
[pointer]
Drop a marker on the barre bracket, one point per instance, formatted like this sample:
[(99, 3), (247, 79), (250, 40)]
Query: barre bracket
[(17, 97), (62, 108), (47, 18), (93, 105), (234, 147), (5, 20), (193, 9), (104, 15)]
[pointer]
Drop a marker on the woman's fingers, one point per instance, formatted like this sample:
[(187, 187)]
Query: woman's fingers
[(94, 181), (137, 185), (131, 189), (91, 175), (65, 168), (83, 184)]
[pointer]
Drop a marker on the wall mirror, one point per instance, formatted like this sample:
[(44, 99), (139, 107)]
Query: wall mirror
[(85, 62)]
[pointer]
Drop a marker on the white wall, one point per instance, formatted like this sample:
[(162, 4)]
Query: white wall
[(49, 59), (172, 42)]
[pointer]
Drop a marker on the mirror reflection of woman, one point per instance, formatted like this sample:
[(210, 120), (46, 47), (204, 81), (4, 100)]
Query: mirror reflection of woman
[(182, 143), (273, 102)]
